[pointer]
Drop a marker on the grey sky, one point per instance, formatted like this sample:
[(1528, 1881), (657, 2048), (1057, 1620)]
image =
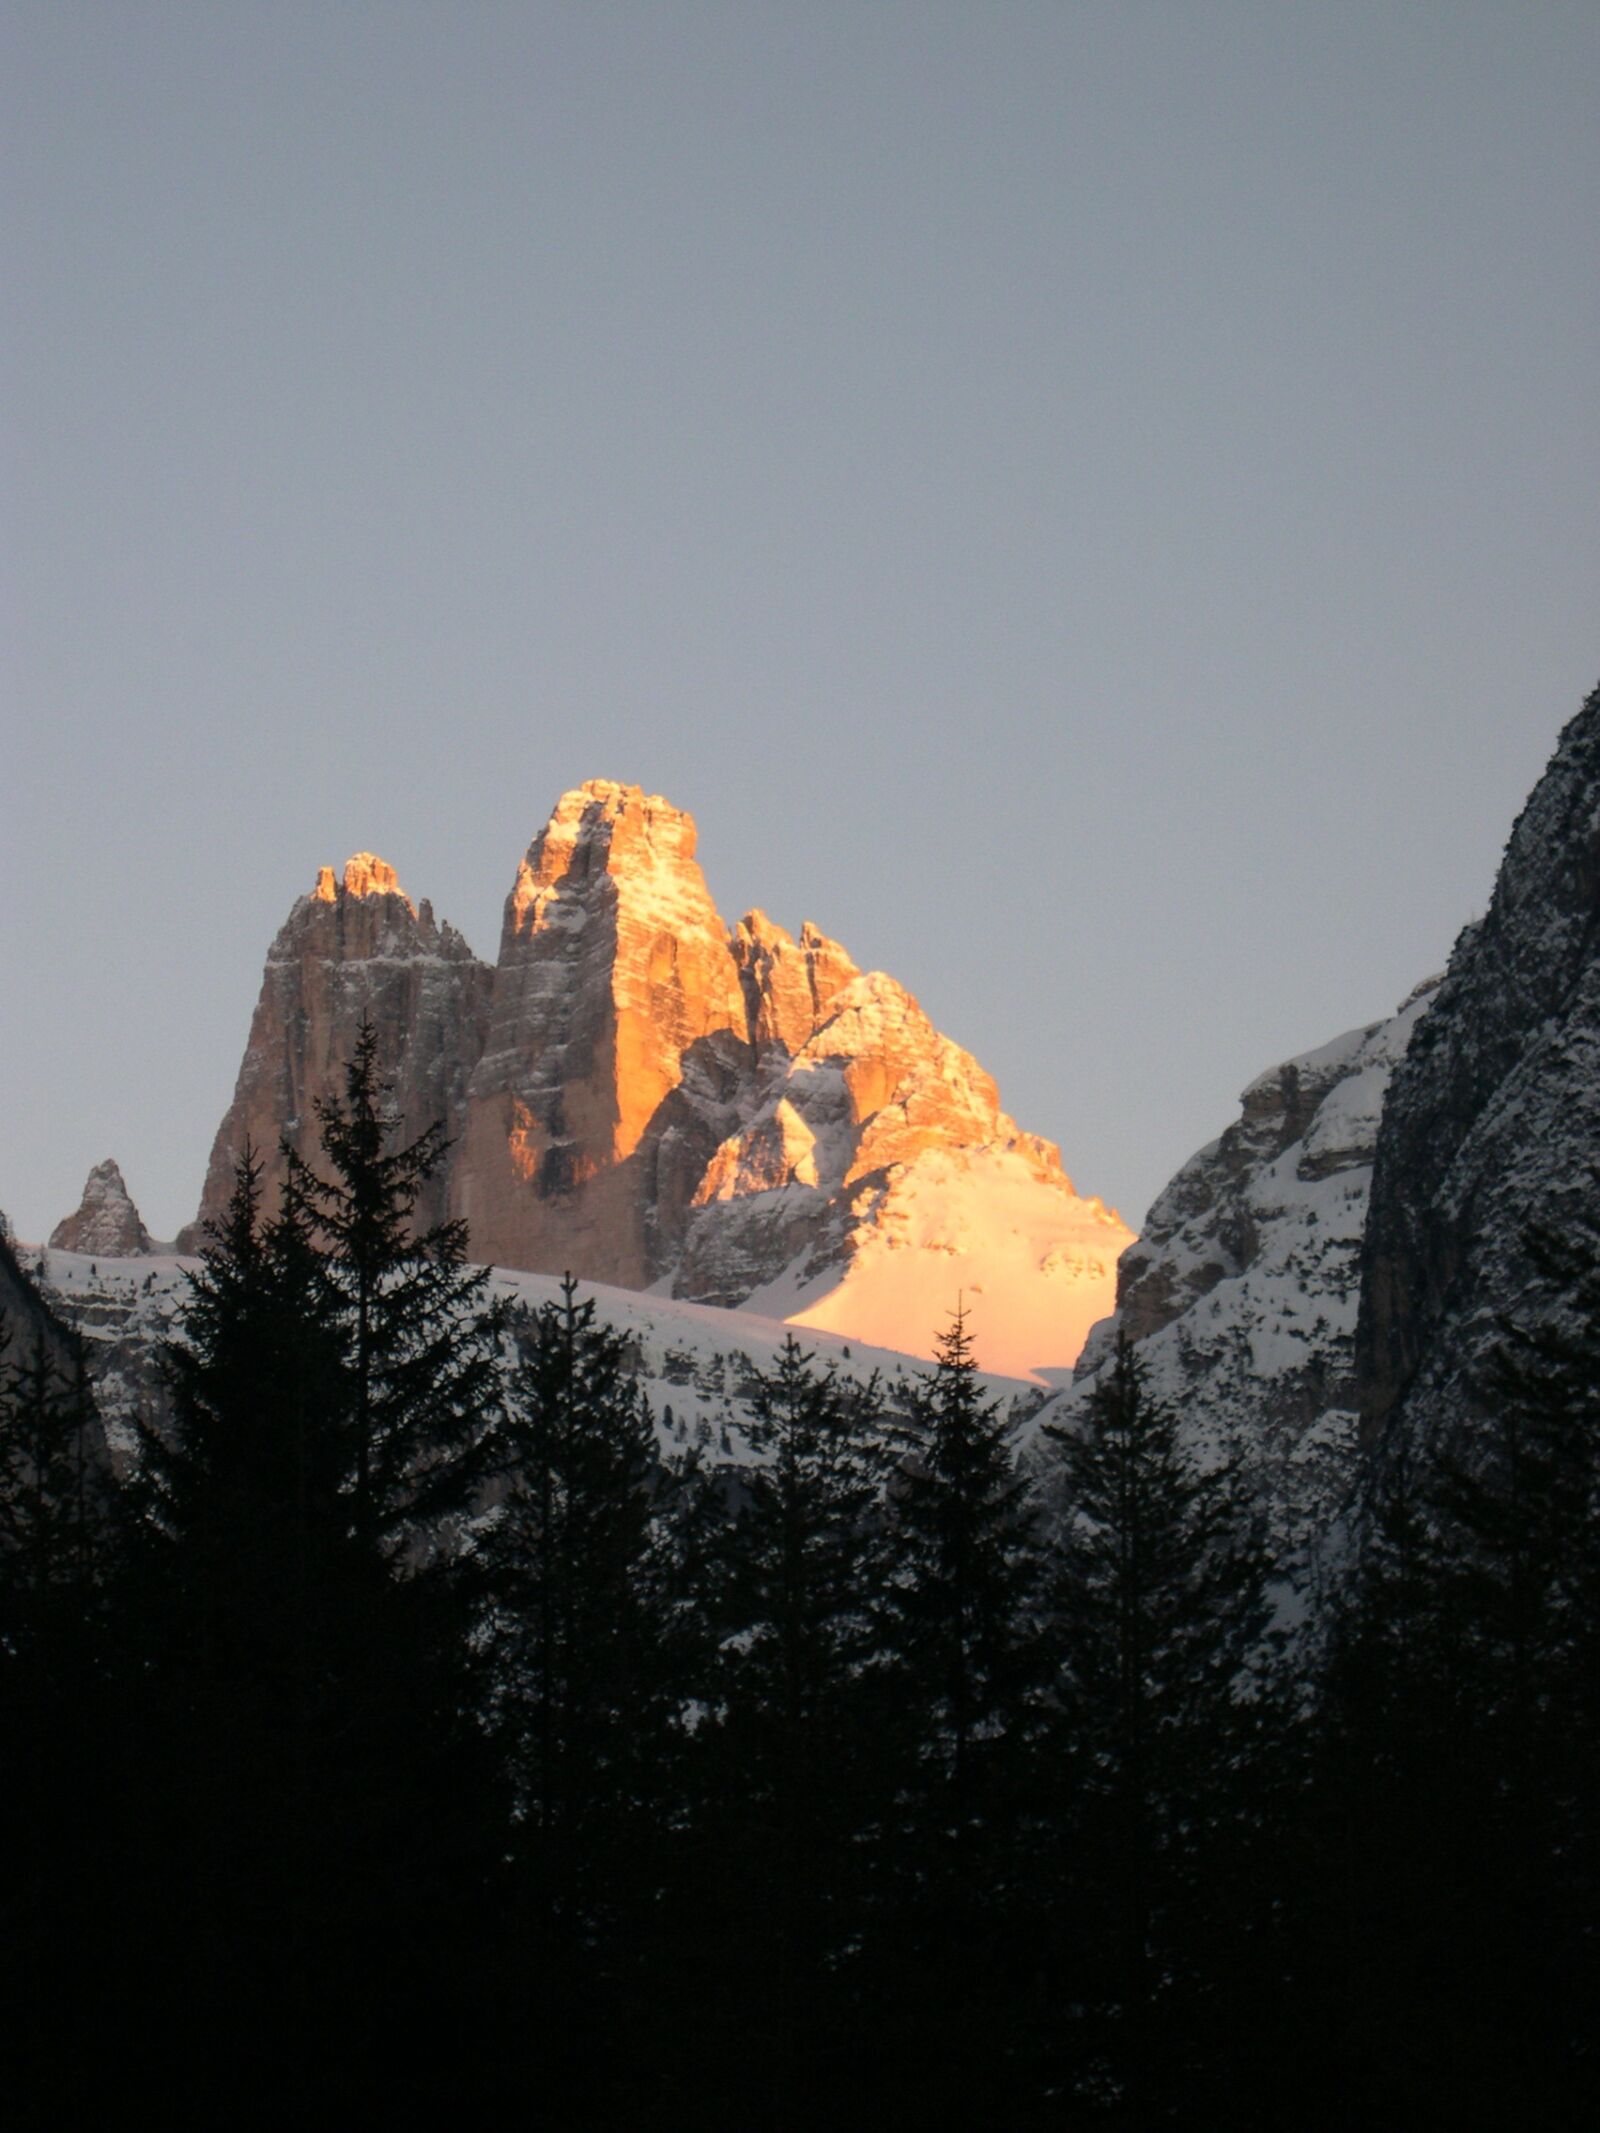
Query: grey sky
[(1096, 505)]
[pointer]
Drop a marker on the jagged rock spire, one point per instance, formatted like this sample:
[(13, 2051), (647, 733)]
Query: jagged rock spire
[(638, 1095), (355, 948), (105, 1222)]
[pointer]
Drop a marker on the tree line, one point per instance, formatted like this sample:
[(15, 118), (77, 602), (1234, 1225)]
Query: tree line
[(406, 1727)]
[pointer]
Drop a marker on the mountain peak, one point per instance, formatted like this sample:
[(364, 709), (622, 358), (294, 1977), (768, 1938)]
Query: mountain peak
[(643, 1095), (365, 874), (105, 1222)]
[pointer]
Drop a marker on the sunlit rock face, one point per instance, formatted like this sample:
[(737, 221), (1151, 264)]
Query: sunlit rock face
[(354, 949), (643, 1097), (617, 1046), (105, 1223), (1241, 1295), (1492, 1128), (874, 1183)]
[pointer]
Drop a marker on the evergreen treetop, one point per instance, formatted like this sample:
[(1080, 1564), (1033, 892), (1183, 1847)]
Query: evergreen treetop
[(423, 1341)]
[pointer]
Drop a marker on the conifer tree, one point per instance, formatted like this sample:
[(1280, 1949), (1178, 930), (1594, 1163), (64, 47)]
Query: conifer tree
[(568, 1639), (54, 1509), (1514, 1635), (574, 1640), (1158, 1605), (422, 1340), (806, 1561), (58, 1732), (309, 1791), (962, 1587), (964, 1663)]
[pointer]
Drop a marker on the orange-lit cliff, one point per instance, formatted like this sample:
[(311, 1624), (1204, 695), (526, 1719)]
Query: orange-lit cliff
[(643, 1096)]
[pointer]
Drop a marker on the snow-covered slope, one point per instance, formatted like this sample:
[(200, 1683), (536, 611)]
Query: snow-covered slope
[(1241, 1295), (695, 1362), (1032, 1265)]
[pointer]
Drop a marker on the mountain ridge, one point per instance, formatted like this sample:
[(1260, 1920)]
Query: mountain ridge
[(639, 1093)]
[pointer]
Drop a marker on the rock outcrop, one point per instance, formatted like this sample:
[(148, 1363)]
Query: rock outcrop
[(617, 1047), (644, 1097), (736, 1115), (106, 1223), (1241, 1295), (355, 949), (1492, 1127)]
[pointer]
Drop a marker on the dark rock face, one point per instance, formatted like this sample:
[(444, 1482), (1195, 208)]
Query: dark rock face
[(1493, 1119)]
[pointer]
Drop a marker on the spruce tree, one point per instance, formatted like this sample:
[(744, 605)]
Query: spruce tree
[(1158, 1605), (54, 1509), (574, 1636), (566, 1634), (314, 1834), (59, 1728), (965, 1660), (422, 1341), (1514, 1508), (960, 1595), (806, 1560)]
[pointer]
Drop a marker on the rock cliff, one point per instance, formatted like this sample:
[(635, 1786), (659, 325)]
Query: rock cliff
[(1493, 1121), (616, 1050), (355, 948), (645, 1097), (106, 1223), (1241, 1294)]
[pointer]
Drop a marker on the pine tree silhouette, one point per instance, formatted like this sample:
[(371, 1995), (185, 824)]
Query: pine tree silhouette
[(422, 1338), (1158, 1605)]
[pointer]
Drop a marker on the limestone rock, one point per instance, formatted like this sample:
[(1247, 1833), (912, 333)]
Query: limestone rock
[(106, 1223), (355, 948), (617, 1044), (644, 1098), (877, 1136), (789, 985)]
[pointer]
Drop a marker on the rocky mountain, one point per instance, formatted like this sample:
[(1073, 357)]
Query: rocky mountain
[(1241, 1295), (1334, 1268), (1493, 1121), (646, 1097), (105, 1223), (355, 948)]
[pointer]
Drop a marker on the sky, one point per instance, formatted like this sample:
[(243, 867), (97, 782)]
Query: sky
[(1094, 505)]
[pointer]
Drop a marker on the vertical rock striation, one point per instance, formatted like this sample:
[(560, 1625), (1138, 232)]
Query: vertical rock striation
[(617, 1044), (355, 949), (1492, 1126)]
